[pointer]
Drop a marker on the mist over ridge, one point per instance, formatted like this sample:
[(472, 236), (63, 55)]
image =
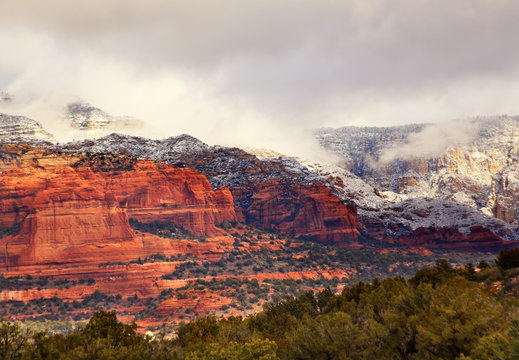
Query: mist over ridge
[(260, 73)]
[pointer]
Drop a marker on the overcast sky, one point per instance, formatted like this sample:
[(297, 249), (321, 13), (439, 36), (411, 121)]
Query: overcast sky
[(262, 72)]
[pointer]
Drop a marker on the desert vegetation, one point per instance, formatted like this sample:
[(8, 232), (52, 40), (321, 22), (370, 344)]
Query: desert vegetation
[(439, 313)]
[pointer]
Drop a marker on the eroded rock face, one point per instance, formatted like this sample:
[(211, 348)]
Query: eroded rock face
[(446, 238), (504, 194), (303, 210), (22, 127), (470, 180), (275, 195), (471, 167), (57, 208)]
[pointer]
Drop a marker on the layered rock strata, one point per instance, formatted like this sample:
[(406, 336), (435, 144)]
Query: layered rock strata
[(64, 209), (272, 195)]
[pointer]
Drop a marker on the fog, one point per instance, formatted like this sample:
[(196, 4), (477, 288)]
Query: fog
[(433, 140), (262, 73)]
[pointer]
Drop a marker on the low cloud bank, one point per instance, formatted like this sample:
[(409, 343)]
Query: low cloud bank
[(433, 140)]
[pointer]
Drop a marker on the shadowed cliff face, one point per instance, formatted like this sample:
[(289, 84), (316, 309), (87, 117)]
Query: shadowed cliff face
[(302, 210)]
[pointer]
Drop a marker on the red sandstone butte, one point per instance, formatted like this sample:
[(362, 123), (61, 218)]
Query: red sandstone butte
[(60, 210), (302, 210)]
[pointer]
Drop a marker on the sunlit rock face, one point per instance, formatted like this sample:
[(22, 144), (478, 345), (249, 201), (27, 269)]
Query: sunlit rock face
[(70, 208), (504, 194), (274, 194), (74, 208), (311, 199), (310, 211)]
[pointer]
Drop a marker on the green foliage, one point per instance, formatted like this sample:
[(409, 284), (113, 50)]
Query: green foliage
[(13, 340), (104, 337), (202, 330), (483, 264), (440, 313), (29, 282), (166, 229), (104, 325), (256, 349), (459, 315)]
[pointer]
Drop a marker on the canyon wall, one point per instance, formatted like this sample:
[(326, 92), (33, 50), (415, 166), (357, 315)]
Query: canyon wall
[(60, 208)]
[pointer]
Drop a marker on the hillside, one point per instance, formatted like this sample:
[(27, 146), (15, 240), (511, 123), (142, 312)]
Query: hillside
[(468, 180), (439, 313), (158, 244), (167, 230)]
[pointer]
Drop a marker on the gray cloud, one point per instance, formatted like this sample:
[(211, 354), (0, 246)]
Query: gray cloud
[(238, 71)]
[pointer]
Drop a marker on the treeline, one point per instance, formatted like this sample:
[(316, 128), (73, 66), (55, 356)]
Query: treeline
[(166, 229), (440, 313), (41, 282)]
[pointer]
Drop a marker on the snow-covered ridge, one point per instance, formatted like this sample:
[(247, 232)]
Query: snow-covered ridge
[(231, 167), (22, 127), (467, 172), (88, 121), (410, 212), (473, 184)]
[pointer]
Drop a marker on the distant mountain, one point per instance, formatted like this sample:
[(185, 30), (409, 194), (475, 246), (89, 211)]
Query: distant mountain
[(463, 197), (22, 128), (386, 216), (80, 121), (89, 121), (479, 172)]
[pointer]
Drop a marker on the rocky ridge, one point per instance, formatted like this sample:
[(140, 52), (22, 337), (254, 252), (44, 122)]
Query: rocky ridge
[(271, 194), (20, 128), (89, 121), (395, 218), (384, 215)]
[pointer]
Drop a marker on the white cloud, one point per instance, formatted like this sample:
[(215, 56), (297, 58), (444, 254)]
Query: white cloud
[(432, 141)]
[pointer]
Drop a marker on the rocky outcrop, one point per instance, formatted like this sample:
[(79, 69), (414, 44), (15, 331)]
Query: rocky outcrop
[(387, 216), (309, 211), (87, 120), (471, 179), (274, 194), (478, 239), (504, 195), (461, 170), (61, 208), (12, 127)]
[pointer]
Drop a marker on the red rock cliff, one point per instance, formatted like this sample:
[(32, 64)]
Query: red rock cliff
[(67, 208), (479, 238), (302, 210)]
